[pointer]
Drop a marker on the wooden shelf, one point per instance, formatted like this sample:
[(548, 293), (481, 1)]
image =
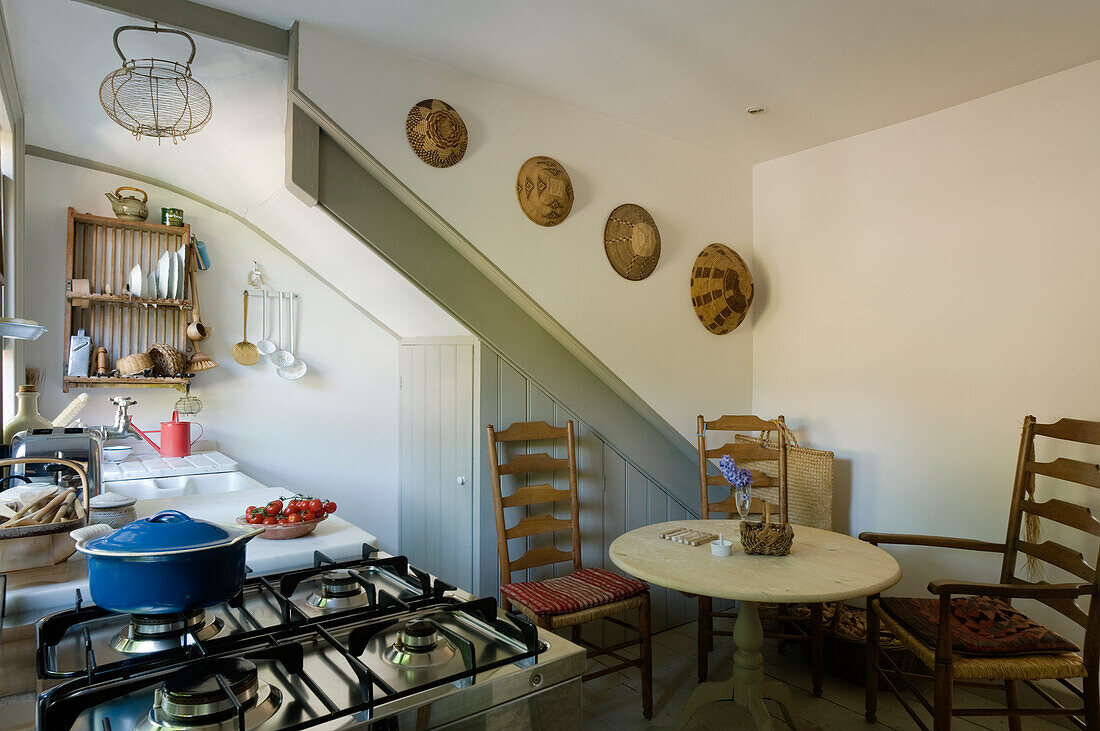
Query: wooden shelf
[(103, 251), (127, 300), (175, 382)]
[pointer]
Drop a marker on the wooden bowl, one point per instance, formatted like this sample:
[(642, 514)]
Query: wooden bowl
[(285, 531)]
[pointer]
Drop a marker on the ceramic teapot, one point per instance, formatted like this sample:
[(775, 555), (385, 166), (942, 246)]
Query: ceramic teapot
[(129, 208)]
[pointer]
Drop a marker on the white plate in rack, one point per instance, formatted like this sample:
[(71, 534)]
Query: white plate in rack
[(181, 267), (164, 268)]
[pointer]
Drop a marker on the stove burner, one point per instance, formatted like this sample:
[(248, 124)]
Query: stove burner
[(338, 590), (418, 644), (192, 699), (156, 632)]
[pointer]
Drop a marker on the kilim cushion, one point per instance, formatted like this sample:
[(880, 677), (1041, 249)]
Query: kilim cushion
[(583, 589), (979, 626)]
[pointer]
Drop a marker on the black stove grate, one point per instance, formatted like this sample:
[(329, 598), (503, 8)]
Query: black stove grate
[(60, 707), (96, 684)]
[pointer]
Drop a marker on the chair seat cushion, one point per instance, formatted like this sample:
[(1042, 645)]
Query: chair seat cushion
[(580, 590), (979, 626)]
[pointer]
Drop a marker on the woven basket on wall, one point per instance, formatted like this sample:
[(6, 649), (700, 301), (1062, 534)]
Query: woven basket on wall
[(809, 481), (721, 288)]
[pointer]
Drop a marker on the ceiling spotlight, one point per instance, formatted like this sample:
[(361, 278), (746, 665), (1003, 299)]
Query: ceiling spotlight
[(756, 110)]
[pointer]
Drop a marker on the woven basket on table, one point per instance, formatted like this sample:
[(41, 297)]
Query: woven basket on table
[(809, 481)]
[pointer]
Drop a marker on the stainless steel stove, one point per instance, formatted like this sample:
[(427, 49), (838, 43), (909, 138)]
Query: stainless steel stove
[(370, 643)]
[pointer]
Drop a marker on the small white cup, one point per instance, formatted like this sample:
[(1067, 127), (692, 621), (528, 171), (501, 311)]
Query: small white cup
[(721, 548)]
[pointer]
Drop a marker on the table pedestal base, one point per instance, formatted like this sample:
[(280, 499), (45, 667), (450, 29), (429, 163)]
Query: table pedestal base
[(747, 687)]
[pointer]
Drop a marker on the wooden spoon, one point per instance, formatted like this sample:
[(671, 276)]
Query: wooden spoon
[(196, 331), (245, 352)]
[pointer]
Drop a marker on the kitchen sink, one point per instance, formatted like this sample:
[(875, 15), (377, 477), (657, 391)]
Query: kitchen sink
[(157, 487)]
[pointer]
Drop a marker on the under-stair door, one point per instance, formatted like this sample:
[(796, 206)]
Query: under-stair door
[(437, 480)]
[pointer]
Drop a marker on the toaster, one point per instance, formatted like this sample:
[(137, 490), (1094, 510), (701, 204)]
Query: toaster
[(77, 444)]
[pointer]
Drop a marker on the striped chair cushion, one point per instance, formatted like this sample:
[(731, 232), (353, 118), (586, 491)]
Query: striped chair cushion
[(583, 589)]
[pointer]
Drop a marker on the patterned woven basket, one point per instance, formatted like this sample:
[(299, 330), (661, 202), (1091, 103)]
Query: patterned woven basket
[(809, 481), (766, 539), (167, 361)]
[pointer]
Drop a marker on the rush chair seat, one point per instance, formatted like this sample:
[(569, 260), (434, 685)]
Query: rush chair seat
[(970, 631), (582, 596), (785, 626)]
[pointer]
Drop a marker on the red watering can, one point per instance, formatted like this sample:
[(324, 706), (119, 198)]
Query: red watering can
[(175, 437)]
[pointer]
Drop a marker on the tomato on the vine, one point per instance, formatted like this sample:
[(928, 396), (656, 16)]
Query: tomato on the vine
[(293, 518), (270, 521), (254, 518), (315, 505), (330, 507)]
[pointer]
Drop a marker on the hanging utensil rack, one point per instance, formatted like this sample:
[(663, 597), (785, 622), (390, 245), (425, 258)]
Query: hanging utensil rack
[(102, 251)]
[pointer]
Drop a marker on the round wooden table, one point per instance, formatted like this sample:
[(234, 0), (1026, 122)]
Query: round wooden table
[(822, 566)]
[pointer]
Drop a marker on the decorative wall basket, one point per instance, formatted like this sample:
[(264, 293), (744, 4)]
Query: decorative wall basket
[(152, 97), (766, 539), (436, 133), (721, 288), (632, 242), (544, 190)]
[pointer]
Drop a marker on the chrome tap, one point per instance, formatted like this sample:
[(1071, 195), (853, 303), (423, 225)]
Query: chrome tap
[(122, 428)]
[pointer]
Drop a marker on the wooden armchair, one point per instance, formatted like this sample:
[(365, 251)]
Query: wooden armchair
[(786, 628), (950, 633), (585, 595)]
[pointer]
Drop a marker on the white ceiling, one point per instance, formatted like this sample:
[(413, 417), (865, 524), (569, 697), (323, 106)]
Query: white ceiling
[(687, 69)]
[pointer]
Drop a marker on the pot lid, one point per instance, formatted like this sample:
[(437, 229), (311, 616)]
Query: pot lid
[(168, 530), (111, 500)]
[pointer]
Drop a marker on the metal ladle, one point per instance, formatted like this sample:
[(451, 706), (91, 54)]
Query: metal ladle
[(281, 358), (297, 367), (265, 346)]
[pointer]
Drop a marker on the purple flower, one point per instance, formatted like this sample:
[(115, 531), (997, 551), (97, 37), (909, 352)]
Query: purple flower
[(735, 476)]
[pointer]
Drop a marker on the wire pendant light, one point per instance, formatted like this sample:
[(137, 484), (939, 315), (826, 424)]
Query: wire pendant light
[(153, 97)]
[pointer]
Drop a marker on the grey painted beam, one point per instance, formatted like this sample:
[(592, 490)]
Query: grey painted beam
[(358, 199), (303, 136), (204, 21)]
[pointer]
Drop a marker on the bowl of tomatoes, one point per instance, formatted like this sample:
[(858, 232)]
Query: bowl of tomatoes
[(291, 517)]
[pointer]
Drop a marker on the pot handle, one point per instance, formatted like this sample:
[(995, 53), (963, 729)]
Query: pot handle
[(89, 532), (169, 516)]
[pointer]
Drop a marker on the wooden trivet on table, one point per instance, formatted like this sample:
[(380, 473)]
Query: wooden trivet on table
[(689, 537)]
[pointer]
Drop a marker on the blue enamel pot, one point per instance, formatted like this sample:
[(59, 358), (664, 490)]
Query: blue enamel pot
[(164, 564)]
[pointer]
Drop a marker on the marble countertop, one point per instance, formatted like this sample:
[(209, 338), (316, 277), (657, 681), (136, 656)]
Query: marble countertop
[(335, 537), (822, 565)]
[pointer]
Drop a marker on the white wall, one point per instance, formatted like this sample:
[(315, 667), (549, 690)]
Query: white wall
[(929, 284), (334, 432), (646, 332)]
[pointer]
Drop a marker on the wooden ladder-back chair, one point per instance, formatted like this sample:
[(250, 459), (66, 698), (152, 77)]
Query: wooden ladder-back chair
[(582, 596), (969, 631), (785, 626)]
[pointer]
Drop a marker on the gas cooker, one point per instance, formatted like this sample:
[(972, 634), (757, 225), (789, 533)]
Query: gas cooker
[(368, 643)]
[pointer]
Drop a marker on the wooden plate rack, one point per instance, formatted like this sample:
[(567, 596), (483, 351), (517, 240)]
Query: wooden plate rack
[(103, 251)]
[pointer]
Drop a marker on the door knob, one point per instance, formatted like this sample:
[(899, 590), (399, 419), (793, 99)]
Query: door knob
[(461, 480)]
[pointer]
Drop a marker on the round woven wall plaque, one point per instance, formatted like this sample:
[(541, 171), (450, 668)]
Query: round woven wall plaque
[(544, 190), (436, 133), (632, 242), (721, 288)]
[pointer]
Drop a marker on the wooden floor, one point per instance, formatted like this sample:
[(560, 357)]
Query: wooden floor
[(614, 701)]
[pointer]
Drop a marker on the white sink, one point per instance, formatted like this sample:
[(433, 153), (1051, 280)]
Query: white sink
[(157, 487)]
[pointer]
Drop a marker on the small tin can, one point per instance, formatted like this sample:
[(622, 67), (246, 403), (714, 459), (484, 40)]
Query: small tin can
[(171, 216)]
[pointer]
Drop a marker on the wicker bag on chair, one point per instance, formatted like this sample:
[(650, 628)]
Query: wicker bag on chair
[(809, 480)]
